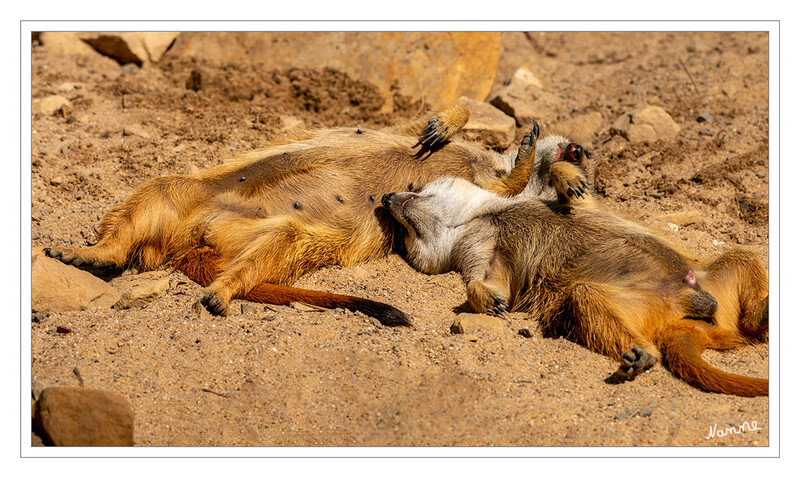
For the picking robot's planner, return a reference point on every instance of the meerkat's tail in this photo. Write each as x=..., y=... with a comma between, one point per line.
x=284, y=295
x=200, y=265
x=683, y=344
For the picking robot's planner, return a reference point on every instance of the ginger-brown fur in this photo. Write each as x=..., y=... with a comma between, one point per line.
x=591, y=276
x=310, y=201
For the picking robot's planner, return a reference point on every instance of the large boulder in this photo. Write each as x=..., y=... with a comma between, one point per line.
x=647, y=125
x=124, y=47
x=487, y=125
x=69, y=416
x=58, y=287
x=525, y=97
x=437, y=66
x=65, y=43
x=139, y=290
x=53, y=105
x=580, y=128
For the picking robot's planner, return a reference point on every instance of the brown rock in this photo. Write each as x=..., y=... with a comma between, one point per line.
x=291, y=124
x=58, y=287
x=140, y=289
x=36, y=388
x=685, y=218
x=437, y=66
x=648, y=125
x=55, y=104
x=487, y=124
x=130, y=47
x=65, y=43
x=524, y=101
x=67, y=87
x=306, y=307
x=580, y=128
x=525, y=333
x=68, y=416
x=525, y=78
x=730, y=87
x=201, y=312
x=474, y=323
x=135, y=130
x=248, y=309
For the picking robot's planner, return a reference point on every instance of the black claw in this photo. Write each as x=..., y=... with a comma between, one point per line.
x=47, y=251
x=628, y=358
x=535, y=129
x=500, y=306
x=570, y=192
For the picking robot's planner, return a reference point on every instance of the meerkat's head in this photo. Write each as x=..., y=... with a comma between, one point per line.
x=549, y=150
x=433, y=218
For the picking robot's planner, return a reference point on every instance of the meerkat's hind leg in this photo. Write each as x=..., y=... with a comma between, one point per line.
x=85, y=258
x=635, y=361
x=82, y=257
x=442, y=124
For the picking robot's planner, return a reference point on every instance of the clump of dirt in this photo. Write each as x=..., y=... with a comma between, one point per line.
x=290, y=377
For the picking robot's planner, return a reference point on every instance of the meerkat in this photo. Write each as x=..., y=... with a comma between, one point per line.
x=250, y=228
x=589, y=275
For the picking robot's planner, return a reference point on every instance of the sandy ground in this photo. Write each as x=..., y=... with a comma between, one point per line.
x=286, y=377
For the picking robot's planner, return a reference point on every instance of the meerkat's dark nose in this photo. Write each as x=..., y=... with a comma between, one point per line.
x=386, y=200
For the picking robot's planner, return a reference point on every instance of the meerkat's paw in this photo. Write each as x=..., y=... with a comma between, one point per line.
x=443, y=124
x=78, y=258
x=568, y=180
x=215, y=303
x=571, y=185
x=484, y=300
x=500, y=308
x=526, y=148
x=634, y=362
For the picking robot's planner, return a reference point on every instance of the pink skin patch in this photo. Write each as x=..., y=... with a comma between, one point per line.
x=403, y=207
x=560, y=152
x=690, y=279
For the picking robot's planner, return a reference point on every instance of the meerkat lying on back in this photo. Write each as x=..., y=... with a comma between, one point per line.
x=589, y=275
x=250, y=228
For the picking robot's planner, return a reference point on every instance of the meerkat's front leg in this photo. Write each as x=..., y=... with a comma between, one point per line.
x=517, y=180
x=490, y=295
